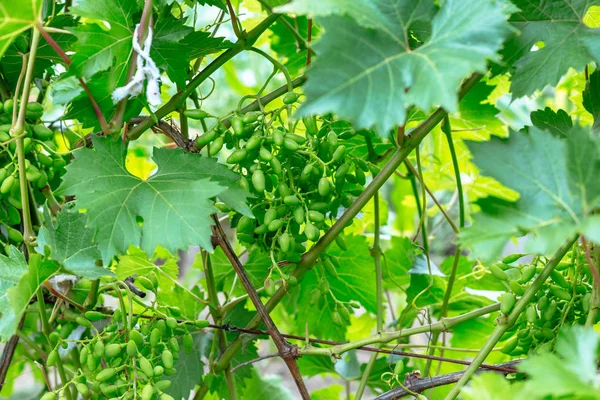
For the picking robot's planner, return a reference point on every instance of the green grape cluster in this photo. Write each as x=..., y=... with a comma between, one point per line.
x=564, y=299
x=119, y=362
x=42, y=167
x=300, y=174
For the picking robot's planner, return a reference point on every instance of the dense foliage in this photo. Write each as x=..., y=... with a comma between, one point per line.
x=281, y=199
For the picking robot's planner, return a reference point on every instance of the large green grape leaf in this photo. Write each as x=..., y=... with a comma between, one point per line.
x=567, y=42
x=557, y=184
x=18, y=284
x=16, y=17
x=369, y=75
x=171, y=208
x=71, y=244
x=556, y=122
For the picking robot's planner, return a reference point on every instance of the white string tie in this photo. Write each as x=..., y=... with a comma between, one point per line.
x=146, y=70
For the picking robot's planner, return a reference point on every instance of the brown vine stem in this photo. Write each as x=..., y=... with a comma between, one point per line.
x=414, y=384
x=117, y=120
x=234, y=21
x=310, y=257
x=7, y=354
x=286, y=351
x=56, y=47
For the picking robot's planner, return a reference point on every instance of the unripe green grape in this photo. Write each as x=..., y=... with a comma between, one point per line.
x=95, y=315
x=112, y=350
x=507, y=303
x=245, y=225
x=258, y=180
x=83, y=322
x=188, y=343
x=290, y=98
x=299, y=215
x=201, y=323
x=174, y=345
x=253, y=143
x=106, y=374
x=498, y=272
x=146, y=367
x=237, y=156
x=310, y=123
x=341, y=242
x=82, y=388
x=158, y=371
x=330, y=268
x=83, y=355
x=137, y=337
x=215, y=146
x=332, y=139
x=339, y=153
x=163, y=385
x=270, y=215
x=52, y=358
x=108, y=389
x=49, y=396
x=147, y=392
x=265, y=155
x=316, y=216
x=165, y=396
x=314, y=296
x=270, y=288
x=290, y=144
x=337, y=319
x=195, y=114
x=99, y=349
x=284, y=242
x=14, y=235
x=145, y=283
x=42, y=132
x=312, y=232
x=171, y=322
x=237, y=123
x=324, y=187
x=7, y=184
x=261, y=229
x=278, y=137
x=276, y=166
x=516, y=288
x=275, y=225
x=344, y=313
x=131, y=348
x=361, y=179
x=206, y=138
x=374, y=169
x=54, y=338
x=167, y=359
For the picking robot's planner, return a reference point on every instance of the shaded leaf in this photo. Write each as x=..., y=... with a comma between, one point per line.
x=373, y=90
x=556, y=181
x=16, y=17
x=71, y=244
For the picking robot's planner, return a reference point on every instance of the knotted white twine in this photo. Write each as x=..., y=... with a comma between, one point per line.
x=146, y=70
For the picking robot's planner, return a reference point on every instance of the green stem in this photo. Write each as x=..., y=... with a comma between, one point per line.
x=17, y=130
x=278, y=65
x=46, y=330
x=310, y=257
x=386, y=337
x=447, y=129
x=421, y=211
x=177, y=100
x=37, y=349
x=92, y=297
x=376, y=253
x=503, y=326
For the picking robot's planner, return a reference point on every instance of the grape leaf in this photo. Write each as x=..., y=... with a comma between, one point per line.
x=71, y=244
x=173, y=205
x=591, y=98
x=556, y=122
x=557, y=186
x=570, y=371
x=12, y=267
x=491, y=386
x=99, y=48
x=568, y=42
x=260, y=387
x=373, y=89
x=175, y=45
x=18, y=284
x=170, y=291
x=16, y=17
x=189, y=367
x=285, y=44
